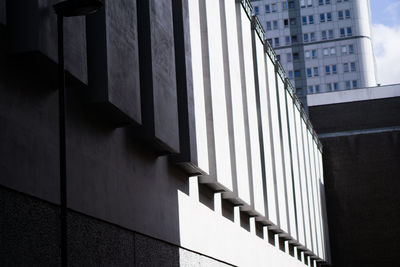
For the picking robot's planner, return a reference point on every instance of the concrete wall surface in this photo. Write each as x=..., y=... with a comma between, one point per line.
x=360, y=133
x=31, y=238
x=154, y=176
x=361, y=179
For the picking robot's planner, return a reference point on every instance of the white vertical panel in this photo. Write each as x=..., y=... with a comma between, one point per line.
x=314, y=200
x=217, y=121
x=268, y=145
x=321, y=182
x=262, y=90
x=292, y=110
x=300, y=133
x=283, y=95
x=198, y=86
x=279, y=167
x=251, y=97
x=318, y=200
x=242, y=171
x=310, y=221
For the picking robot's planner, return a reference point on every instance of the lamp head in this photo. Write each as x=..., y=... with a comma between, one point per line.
x=71, y=8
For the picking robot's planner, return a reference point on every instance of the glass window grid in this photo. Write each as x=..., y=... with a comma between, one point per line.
x=316, y=71
x=312, y=36
x=322, y=17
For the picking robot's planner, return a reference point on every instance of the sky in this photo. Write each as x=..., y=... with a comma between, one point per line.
x=386, y=39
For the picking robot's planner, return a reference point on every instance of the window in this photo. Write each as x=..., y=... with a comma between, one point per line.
x=256, y=10
x=316, y=71
x=322, y=17
x=317, y=88
x=351, y=49
x=340, y=14
x=273, y=7
x=348, y=85
x=328, y=70
x=327, y=2
x=321, y=2
x=284, y=5
x=333, y=51
x=278, y=57
x=297, y=73
x=353, y=66
x=347, y=13
x=286, y=23
x=311, y=19
x=290, y=74
x=287, y=40
x=334, y=69
x=329, y=16
x=346, y=67
x=293, y=21
x=304, y=20
x=294, y=38
x=289, y=57
x=276, y=41
x=326, y=52
x=312, y=36
x=268, y=28
x=329, y=87
x=299, y=91
x=296, y=56
x=291, y=4
x=323, y=35
x=355, y=84
x=305, y=37
x=349, y=31
x=331, y=36
x=310, y=89
x=309, y=72
x=269, y=41
x=314, y=53
x=275, y=24
x=267, y=9
x=302, y=3
x=342, y=32
x=344, y=50
x=307, y=54
x=309, y=2
x=335, y=86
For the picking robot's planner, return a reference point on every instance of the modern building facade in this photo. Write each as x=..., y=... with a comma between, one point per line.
x=185, y=143
x=324, y=45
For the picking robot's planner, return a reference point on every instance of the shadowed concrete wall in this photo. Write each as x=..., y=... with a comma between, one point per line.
x=361, y=180
x=361, y=142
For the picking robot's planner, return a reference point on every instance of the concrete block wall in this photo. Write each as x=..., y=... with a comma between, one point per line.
x=32, y=238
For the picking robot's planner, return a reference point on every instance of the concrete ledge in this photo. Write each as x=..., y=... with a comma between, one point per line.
x=362, y=94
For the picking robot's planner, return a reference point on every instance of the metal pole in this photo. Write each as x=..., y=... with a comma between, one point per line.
x=61, y=119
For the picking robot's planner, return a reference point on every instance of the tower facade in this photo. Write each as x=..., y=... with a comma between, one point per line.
x=324, y=45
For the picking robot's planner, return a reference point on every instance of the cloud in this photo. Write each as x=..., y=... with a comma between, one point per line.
x=386, y=42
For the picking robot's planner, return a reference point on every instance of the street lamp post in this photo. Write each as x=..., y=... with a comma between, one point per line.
x=68, y=8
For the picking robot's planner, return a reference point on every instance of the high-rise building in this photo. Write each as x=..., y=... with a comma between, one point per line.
x=324, y=45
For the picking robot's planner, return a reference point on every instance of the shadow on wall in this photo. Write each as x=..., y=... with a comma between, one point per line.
x=361, y=180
